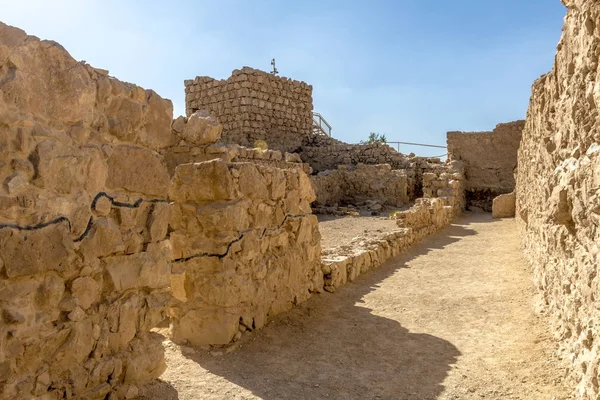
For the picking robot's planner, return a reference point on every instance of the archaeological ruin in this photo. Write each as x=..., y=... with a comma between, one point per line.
x=125, y=231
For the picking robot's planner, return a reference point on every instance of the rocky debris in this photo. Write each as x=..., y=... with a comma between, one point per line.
x=504, y=206
x=245, y=245
x=347, y=210
x=490, y=159
x=369, y=207
x=355, y=185
x=253, y=105
x=558, y=192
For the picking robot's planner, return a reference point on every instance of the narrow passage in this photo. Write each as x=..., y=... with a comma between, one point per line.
x=450, y=319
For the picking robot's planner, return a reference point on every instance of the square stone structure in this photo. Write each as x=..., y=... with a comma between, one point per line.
x=490, y=160
x=254, y=105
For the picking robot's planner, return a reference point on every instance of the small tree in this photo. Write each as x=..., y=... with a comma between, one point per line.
x=374, y=138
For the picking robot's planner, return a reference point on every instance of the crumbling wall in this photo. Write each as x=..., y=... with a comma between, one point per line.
x=446, y=181
x=195, y=141
x=84, y=259
x=254, y=105
x=246, y=247
x=425, y=217
x=490, y=160
x=558, y=192
x=328, y=157
x=354, y=185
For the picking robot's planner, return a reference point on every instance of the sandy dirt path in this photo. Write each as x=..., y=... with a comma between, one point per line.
x=450, y=319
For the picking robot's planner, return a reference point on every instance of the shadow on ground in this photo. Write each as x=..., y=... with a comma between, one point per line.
x=332, y=347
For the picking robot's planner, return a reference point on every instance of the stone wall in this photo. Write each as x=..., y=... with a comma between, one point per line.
x=328, y=156
x=195, y=141
x=446, y=181
x=254, y=105
x=490, y=160
x=425, y=217
x=558, y=192
x=84, y=259
x=354, y=185
x=246, y=247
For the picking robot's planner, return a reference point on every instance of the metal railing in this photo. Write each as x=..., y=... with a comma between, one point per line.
x=320, y=125
x=414, y=144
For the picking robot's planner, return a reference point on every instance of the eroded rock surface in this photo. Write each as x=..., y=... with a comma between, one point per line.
x=354, y=185
x=558, y=192
x=246, y=247
x=84, y=259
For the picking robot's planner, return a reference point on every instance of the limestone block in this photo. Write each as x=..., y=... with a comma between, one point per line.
x=200, y=182
x=205, y=326
x=137, y=170
x=201, y=128
x=158, y=113
x=37, y=251
x=86, y=291
x=136, y=271
x=504, y=206
x=67, y=169
x=103, y=239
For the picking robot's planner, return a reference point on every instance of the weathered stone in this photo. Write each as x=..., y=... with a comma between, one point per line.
x=32, y=252
x=103, y=239
x=277, y=117
x=137, y=170
x=158, y=222
x=504, y=206
x=103, y=206
x=201, y=182
x=356, y=185
x=201, y=128
x=67, y=169
x=226, y=249
x=141, y=270
x=63, y=122
x=557, y=193
x=86, y=291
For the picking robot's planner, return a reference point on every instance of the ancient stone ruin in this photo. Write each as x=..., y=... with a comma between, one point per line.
x=255, y=106
x=118, y=220
x=558, y=192
x=490, y=161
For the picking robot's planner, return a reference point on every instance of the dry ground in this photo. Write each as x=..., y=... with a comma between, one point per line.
x=340, y=231
x=450, y=319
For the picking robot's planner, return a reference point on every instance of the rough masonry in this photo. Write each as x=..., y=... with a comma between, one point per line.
x=246, y=247
x=490, y=161
x=84, y=265
x=558, y=192
x=254, y=106
x=354, y=185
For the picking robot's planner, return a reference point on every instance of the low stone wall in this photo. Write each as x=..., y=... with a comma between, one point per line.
x=84, y=259
x=354, y=185
x=558, y=194
x=254, y=105
x=246, y=247
x=328, y=157
x=490, y=160
x=424, y=218
x=195, y=141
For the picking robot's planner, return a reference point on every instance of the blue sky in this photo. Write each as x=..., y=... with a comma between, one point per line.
x=409, y=69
